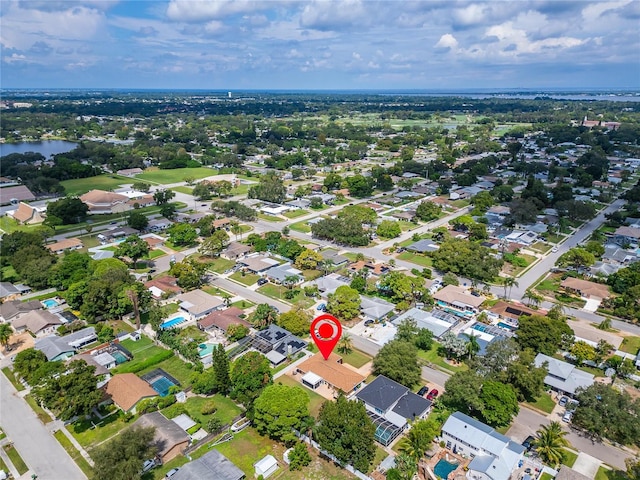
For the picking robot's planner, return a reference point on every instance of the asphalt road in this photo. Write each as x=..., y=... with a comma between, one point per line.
x=250, y=295
x=528, y=421
x=39, y=449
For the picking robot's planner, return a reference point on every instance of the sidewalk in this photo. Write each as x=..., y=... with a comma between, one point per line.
x=7, y=462
x=58, y=425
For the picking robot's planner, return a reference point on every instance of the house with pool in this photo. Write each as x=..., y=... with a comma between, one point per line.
x=458, y=300
x=494, y=456
x=197, y=304
x=60, y=348
x=126, y=390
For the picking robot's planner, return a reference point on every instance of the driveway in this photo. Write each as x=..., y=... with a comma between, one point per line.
x=39, y=449
x=591, y=304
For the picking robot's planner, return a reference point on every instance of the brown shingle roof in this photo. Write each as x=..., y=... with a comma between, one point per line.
x=452, y=294
x=337, y=374
x=127, y=389
x=628, y=232
x=223, y=319
x=19, y=192
x=27, y=214
x=103, y=197
x=167, y=435
x=166, y=284
x=37, y=320
x=513, y=310
x=65, y=244
x=586, y=288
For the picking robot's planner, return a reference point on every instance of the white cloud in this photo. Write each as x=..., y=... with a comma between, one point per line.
x=204, y=10
x=15, y=57
x=447, y=41
x=593, y=11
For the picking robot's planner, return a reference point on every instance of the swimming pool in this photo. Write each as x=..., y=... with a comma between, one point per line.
x=480, y=327
x=162, y=386
x=173, y=322
x=119, y=356
x=205, y=349
x=50, y=303
x=444, y=468
x=506, y=326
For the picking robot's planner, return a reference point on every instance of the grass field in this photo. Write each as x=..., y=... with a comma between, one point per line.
x=89, y=435
x=302, y=227
x=3, y=466
x=16, y=459
x=245, y=279
x=175, y=367
x=183, y=189
x=415, y=258
x=269, y=218
x=78, y=186
x=544, y=403
x=43, y=416
x=226, y=409
x=176, y=175
x=569, y=457
x=12, y=378
x=315, y=400
x=295, y=213
x=243, y=304
x=432, y=357
x=74, y=453
x=277, y=292
x=608, y=474
x=356, y=358
x=630, y=345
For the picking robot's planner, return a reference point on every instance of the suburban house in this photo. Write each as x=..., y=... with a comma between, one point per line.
x=317, y=371
x=60, y=348
x=158, y=225
x=391, y=407
x=65, y=245
x=332, y=256
x=235, y=250
x=14, y=195
x=376, y=269
x=9, y=292
x=510, y=312
x=563, y=377
x=458, y=300
x=495, y=456
x=277, y=343
x=329, y=283
x=223, y=319
x=198, y=303
x=585, y=288
x=169, y=439
x=280, y=274
x=258, y=263
x=436, y=321
x=373, y=308
x=423, y=246
x=163, y=286
x=38, y=322
x=101, y=202
x=108, y=236
x=126, y=390
x=25, y=214
x=11, y=310
x=626, y=236
x=212, y=465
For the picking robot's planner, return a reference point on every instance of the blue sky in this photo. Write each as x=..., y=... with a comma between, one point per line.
x=345, y=44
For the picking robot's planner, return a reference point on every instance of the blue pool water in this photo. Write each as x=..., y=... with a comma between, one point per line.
x=50, y=303
x=506, y=325
x=205, y=349
x=444, y=468
x=172, y=323
x=162, y=386
x=119, y=356
x=479, y=327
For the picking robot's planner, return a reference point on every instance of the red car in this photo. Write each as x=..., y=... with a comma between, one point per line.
x=432, y=394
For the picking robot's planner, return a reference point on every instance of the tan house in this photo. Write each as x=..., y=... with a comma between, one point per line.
x=169, y=438
x=223, y=319
x=27, y=215
x=331, y=372
x=512, y=311
x=101, y=201
x=127, y=390
x=64, y=245
x=38, y=322
x=458, y=300
x=585, y=288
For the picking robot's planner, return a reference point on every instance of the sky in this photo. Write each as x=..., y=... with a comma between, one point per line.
x=320, y=45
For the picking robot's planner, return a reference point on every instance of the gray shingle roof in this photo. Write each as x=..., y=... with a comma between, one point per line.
x=212, y=466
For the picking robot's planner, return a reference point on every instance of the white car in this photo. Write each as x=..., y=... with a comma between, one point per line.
x=554, y=249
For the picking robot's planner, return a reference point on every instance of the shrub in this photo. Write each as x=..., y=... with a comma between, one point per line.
x=167, y=401
x=194, y=429
x=208, y=408
x=214, y=425
x=175, y=410
x=133, y=367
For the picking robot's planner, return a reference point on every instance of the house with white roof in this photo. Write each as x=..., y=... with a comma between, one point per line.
x=563, y=377
x=436, y=321
x=495, y=456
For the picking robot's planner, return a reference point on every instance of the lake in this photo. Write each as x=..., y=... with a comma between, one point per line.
x=45, y=147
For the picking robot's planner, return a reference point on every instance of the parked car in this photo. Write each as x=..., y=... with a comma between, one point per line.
x=528, y=442
x=368, y=323
x=432, y=394
x=171, y=472
x=148, y=465
x=567, y=417
x=563, y=401
x=262, y=281
x=322, y=307
x=423, y=391
x=474, y=293
x=554, y=249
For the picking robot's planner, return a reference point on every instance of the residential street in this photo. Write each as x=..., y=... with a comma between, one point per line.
x=38, y=448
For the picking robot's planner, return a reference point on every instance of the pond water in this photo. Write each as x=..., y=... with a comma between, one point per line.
x=47, y=148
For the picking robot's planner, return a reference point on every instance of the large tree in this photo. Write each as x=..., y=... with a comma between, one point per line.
x=398, y=360
x=344, y=303
x=122, y=457
x=308, y=259
x=345, y=430
x=69, y=210
x=542, y=334
x=250, y=374
x=468, y=259
x=215, y=243
x=279, y=410
x=263, y=316
x=270, y=188
x=296, y=320
x=182, y=234
x=132, y=247
x=220, y=367
x=428, y=211
x=550, y=443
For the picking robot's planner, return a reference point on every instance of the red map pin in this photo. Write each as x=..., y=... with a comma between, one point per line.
x=326, y=332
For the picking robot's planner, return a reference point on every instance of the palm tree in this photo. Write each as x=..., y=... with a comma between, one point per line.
x=473, y=346
x=509, y=282
x=605, y=324
x=236, y=229
x=327, y=266
x=550, y=442
x=345, y=346
x=5, y=334
x=226, y=298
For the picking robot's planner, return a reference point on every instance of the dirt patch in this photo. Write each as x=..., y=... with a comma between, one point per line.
x=18, y=343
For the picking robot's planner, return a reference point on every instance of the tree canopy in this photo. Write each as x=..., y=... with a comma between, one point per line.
x=344, y=303
x=468, y=259
x=122, y=457
x=250, y=374
x=398, y=360
x=278, y=410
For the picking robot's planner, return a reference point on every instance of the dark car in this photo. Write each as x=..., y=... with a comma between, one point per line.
x=423, y=390
x=432, y=394
x=528, y=442
x=563, y=401
x=262, y=281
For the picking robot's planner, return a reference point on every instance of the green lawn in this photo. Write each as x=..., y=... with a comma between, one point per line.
x=311, y=274
x=175, y=367
x=226, y=409
x=315, y=400
x=270, y=218
x=541, y=247
x=246, y=448
x=546, y=476
x=609, y=474
x=302, y=227
x=296, y=213
x=43, y=416
x=78, y=186
x=243, y=304
x=12, y=378
x=415, y=258
x=155, y=254
x=219, y=264
x=277, y=292
x=245, y=278
x=175, y=175
x=16, y=459
x=569, y=457
x=432, y=357
x=3, y=466
x=356, y=358
x=630, y=345
x=378, y=458
x=544, y=403
x=183, y=189
x=74, y=453
x=89, y=433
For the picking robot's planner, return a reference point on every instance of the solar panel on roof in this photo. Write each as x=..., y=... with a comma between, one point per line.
x=514, y=311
